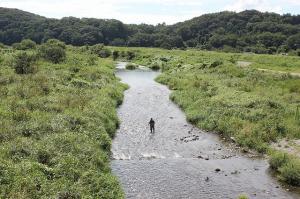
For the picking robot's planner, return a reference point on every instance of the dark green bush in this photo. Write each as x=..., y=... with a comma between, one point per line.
x=24, y=63
x=290, y=172
x=53, y=51
x=115, y=54
x=104, y=53
x=131, y=66
x=154, y=66
x=130, y=55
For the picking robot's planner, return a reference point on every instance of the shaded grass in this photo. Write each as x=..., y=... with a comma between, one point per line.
x=56, y=129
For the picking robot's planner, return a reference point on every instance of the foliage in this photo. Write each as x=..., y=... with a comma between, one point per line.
x=53, y=50
x=247, y=31
x=243, y=196
x=56, y=128
x=23, y=63
x=25, y=45
x=287, y=166
x=115, y=54
x=131, y=66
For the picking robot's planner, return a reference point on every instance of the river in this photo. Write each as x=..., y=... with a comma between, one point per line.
x=179, y=160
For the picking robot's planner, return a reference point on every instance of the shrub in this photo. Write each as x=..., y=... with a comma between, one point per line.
x=115, y=54
x=290, y=172
x=95, y=49
x=130, y=55
x=24, y=63
x=131, y=66
x=278, y=159
x=53, y=51
x=27, y=44
x=216, y=63
x=104, y=53
x=155, y=66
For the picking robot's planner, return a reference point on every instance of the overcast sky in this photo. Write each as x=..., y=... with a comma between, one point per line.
x=147, y=11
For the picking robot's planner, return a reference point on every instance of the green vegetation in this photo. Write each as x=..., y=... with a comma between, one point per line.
x=287, y=166
x=131, y=66
x=247, y=31
x=251, y=107
x=243, y=196
x=57, y=121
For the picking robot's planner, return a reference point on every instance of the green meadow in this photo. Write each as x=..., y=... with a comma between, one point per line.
x=58, y=116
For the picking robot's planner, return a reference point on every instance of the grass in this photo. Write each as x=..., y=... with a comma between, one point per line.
x=255, y=108
x=286, y=166
x=131, y=66
x=56, y=128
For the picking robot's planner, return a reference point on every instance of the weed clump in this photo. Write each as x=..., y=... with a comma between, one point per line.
x=24, y=63
x=131, y=66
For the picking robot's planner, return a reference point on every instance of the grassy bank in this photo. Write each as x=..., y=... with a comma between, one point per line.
x=57, y=122
x=251, y=107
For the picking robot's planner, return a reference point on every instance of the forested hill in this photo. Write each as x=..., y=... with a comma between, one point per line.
x=250, y=30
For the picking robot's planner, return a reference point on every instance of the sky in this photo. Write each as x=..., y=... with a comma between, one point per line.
x=147, y=11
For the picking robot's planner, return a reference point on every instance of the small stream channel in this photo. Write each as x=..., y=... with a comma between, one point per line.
x=179, y=160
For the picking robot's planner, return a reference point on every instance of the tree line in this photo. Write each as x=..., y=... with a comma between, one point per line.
x=247, y=31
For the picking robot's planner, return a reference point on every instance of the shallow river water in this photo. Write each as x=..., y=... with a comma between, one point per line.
x=179, y=160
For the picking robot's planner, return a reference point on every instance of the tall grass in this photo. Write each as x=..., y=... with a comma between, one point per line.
x=56, y=129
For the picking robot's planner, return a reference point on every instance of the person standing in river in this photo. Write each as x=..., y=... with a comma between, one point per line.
x=152, y=125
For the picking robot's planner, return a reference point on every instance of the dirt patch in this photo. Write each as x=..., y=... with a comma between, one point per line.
x=289, y=146
x=243, y=64
x=279, y=72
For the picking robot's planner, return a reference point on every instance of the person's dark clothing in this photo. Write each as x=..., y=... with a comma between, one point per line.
x=152, y=125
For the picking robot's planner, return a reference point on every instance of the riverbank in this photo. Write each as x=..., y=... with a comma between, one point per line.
x=56, y=127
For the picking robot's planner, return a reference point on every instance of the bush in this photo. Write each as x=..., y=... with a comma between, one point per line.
x=115, y=54
x=278, y=159
x=155, y=66
x=104, y=53
x=130, y=55
x=24, y=63
x=53, y=51
x=290, y=172
x=27, y=44
x=131, y=66
x=95, y=49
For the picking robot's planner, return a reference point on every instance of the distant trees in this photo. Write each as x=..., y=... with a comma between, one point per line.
x=249, y=30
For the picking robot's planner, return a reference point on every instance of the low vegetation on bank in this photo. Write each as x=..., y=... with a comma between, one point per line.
x=58, y=115
x=131, y=66
x=251, y=107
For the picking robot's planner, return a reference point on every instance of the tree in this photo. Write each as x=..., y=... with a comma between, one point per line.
x=293, y=42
